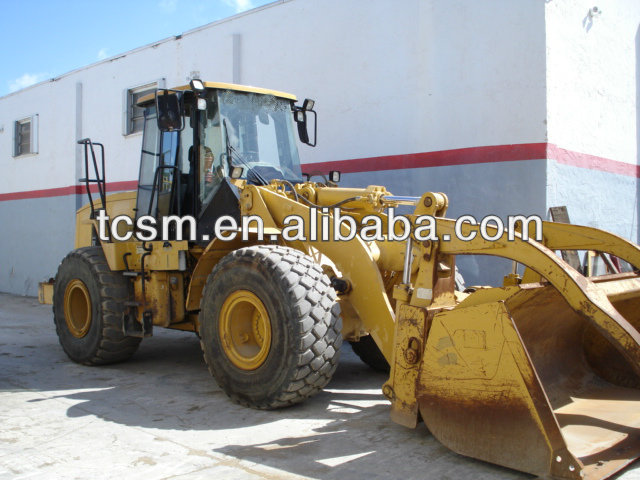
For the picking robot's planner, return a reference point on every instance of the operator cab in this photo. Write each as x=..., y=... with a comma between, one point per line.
x=200, y=139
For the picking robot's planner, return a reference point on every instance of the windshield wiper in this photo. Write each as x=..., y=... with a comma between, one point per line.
x=232, y=151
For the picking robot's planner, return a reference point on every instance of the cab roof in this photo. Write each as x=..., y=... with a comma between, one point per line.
x=225, y=86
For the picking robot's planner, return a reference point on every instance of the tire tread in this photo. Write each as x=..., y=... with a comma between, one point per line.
x=318, y=321
x=114, y=346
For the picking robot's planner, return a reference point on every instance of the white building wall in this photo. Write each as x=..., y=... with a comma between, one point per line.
x=592, y=66
x=593, y=99
x=54, y=104
x=485, y=73
x=431, y=75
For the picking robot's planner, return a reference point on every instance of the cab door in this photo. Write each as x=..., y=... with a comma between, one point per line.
x=159, y=181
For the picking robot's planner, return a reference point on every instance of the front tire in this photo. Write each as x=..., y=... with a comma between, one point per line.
x=269, y=326
x=88, y=303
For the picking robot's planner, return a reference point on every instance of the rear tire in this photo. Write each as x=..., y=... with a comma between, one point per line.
x=88, y=303
x=368, y=351
x=269, y=326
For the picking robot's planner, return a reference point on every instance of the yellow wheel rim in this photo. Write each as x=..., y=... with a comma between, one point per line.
x=245, y=330
x=77, y=308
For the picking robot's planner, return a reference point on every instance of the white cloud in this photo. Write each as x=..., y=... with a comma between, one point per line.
x=102, y=54
x=26, y=80
x=240, y=5
x=168, y=6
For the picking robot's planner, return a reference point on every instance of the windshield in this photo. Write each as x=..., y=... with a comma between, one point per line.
x=259, y=135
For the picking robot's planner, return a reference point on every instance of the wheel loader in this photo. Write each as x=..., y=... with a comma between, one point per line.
x=539, y=375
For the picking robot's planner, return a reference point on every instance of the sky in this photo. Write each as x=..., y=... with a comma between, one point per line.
x=45, y=39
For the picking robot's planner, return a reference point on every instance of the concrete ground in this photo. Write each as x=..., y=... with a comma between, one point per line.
x=161, y=416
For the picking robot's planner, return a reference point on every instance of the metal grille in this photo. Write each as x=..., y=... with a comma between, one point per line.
x=23, y=137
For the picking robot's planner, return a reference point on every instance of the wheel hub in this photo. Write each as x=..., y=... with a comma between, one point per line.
x=245, y=329
x=77, y=308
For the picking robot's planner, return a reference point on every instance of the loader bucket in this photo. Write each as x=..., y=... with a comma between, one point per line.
x=517, y=377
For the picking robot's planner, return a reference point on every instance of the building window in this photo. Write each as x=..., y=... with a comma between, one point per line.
x=25, y=139
x=134, y=118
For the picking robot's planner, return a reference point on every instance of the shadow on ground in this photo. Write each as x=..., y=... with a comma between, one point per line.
x=343, y=432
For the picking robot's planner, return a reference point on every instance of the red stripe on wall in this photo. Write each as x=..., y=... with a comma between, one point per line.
x=441, y=158
x=70, y=190
x=467, y=156
x=584, y=160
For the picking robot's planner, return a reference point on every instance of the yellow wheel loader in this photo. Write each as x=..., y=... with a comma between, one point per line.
x=541, y=375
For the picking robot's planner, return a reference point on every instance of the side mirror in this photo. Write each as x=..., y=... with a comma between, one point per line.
x=169, y=108
x=300, y=116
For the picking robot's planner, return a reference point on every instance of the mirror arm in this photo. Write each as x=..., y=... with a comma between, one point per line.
x=303, y=133
x=315, y=129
